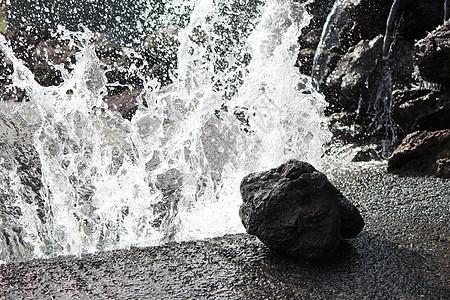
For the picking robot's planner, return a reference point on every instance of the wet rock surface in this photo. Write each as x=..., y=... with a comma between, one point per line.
x=403, y=252
x=433, y=55
x=419, y=17
x=419, y=109
x=295, y=210
x=310, y=39
x=349, y=78
x=423, y=151
x=425, y=113
x=366, y=67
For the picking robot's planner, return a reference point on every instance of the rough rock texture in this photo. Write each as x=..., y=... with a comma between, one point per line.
x=347, y=26
x=424, y=151
x=427, y=110
x=354, y=25
x=32, y=45
x=124, y=101
x=374, y=99
x=344, y=128
x=356, y=81
x=349, y=78
x=433, y=55
x=295, y=210
x=420, y=109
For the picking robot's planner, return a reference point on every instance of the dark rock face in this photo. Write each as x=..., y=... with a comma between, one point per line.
x=348, y=79
x=29, y=43
x=344, y=128
x=421, y=109
x=124, y=102
x=354, y=78
x=425, y=151
x=310, y=39
x=295, y=210
x=426, y=110
x=420, y=17
x=433, y=55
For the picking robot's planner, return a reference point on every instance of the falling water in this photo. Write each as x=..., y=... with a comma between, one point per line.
x=446, y=10
x=173, y=171
x=389, y=36
x=330, y=40
x=378, y=97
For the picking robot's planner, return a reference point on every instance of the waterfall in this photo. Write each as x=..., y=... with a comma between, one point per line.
x=389, y=36
x=236, y=104
x=375, y=98
x=446, y=11
x=329, y=39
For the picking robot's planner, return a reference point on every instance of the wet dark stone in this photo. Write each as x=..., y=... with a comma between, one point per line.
x=423, y=151
x=310, y=39
x=295, y=210
x=419, y=17
x=349, y=78
x=421, y=109
x=342, y=126
x=124, y=102
x=366, y=155
x=353, y=76
x=29, y=44
x=433, y=55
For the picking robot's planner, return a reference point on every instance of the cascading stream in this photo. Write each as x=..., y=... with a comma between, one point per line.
x=236, y=105
x=389, y=36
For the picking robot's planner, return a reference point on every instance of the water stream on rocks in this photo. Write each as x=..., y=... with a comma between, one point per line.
x=379, y=103
x=236, y=104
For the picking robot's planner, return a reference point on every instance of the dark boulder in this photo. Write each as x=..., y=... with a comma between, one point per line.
x=433, y=55
x=423, y=151
x=420, y=109
x=295, y=210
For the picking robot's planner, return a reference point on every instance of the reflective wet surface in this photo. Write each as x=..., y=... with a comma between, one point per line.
x=402, y=253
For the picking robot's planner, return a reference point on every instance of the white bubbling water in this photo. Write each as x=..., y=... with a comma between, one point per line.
x=173, y=171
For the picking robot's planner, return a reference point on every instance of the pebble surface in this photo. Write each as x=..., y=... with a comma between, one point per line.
x=403, y=252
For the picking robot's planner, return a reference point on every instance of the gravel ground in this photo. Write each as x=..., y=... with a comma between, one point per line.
x=403, y=252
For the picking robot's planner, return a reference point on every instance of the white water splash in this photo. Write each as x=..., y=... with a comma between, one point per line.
x=173, y=172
